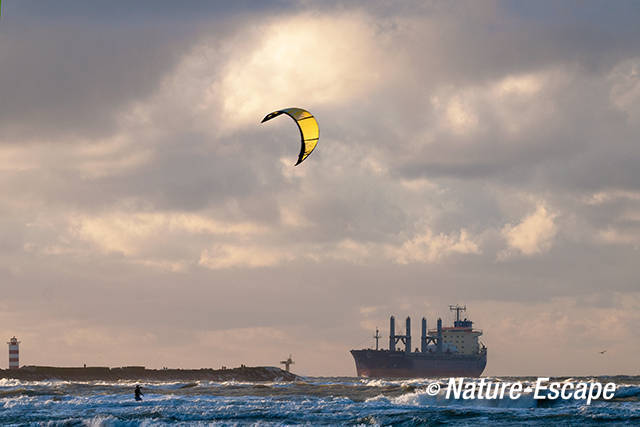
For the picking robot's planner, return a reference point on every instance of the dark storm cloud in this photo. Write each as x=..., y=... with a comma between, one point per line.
x=70, y=68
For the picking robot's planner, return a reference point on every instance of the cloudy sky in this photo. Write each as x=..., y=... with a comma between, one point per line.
x=480, y=153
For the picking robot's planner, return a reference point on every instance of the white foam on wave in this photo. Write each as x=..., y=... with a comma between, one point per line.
x=10, y=382
x=17, y=401
x=422, y=398
x=100, y=421
x=107, y=421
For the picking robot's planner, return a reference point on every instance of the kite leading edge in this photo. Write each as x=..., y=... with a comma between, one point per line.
x=309, y=132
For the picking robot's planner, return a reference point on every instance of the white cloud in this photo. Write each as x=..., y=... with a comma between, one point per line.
x=525, y=85
x=424, y=248
x=461, y=117
x=533, y=235
x=429, y=247
x=129, y=232
x=456, y=111
x=513, y=103
x=151, y=238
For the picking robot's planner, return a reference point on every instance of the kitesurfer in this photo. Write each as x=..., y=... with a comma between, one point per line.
x=138, y=393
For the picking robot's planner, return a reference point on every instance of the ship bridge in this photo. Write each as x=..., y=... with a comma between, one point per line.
x=461, y=336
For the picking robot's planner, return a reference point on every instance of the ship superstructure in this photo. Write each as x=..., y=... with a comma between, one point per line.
x=443, y=352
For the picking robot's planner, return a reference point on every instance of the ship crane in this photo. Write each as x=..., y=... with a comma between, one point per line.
x=287, y=363
x=394, y=339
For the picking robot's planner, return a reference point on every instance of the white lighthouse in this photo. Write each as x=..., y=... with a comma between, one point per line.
x=14, y=359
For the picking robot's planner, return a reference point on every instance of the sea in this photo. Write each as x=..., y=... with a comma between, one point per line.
x=310, y=401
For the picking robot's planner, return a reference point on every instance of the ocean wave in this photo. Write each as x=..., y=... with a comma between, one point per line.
x=627, y=391
x=312, y=401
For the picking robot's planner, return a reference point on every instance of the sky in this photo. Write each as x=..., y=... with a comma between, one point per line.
x=478, y=153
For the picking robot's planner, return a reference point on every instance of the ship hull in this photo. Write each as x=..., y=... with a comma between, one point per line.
x=398, y=364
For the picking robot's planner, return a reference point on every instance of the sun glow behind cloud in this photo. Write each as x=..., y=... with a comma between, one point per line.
x=297, y=60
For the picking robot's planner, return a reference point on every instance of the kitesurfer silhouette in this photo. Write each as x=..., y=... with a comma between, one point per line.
x=138, y=393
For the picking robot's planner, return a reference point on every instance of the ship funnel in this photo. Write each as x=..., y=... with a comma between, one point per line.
x=407, y=343
x=423, y=336
x=439, y=335
x=392, y=334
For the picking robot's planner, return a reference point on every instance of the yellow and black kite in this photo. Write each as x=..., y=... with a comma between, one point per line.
x=309, y=132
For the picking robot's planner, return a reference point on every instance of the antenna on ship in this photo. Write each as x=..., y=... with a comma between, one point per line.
x=287, y=363
x=377, y=337
x=457, y=308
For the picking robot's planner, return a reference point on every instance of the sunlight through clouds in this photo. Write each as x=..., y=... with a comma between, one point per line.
x=296, y=60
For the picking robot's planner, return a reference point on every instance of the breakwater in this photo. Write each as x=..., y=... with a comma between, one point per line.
x=97, y=373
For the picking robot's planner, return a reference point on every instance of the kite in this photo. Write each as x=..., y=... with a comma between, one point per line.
x=309, y=132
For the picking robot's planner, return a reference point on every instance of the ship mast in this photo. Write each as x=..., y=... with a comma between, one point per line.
x=458, y=309
x=377, y=337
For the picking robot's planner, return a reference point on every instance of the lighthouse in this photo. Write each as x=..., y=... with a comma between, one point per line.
x=13, y=353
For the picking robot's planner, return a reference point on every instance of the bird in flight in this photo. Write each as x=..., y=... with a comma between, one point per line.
x=602, y=352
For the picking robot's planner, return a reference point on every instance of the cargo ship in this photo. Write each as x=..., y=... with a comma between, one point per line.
x=454, y=351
